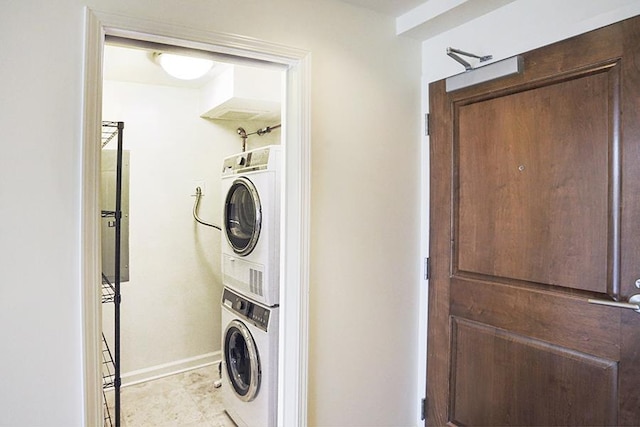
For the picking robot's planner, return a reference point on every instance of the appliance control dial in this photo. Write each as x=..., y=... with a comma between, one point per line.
x=240, y=305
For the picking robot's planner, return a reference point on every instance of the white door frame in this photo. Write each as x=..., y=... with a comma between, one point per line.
x=292, y=377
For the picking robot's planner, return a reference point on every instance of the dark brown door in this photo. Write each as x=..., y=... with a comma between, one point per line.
x=535, y=209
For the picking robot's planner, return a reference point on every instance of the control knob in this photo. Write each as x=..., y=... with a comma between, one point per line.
x=241, y=305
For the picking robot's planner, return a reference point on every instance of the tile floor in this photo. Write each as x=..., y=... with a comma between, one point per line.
x=187, y=399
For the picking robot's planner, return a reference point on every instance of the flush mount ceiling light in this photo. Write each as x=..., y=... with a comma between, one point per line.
x=183, y=67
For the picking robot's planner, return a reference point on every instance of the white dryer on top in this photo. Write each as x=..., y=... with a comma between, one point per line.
x=251, y=224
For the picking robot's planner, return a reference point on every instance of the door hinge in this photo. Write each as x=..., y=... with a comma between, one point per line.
x=427, y=268
x=424, y=409
x=427, y=128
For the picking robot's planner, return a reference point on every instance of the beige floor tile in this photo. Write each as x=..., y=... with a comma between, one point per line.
x=185, y=400
x=222, y=421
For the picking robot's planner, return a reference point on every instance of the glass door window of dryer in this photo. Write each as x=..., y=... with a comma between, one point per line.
x=242, y=216
x=241, y=357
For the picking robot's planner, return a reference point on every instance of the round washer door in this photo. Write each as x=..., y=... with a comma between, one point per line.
x=242, y=216
x=241, y=357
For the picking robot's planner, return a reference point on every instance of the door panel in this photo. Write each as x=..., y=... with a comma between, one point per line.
x=535, y=208
x=554, y=137
x=485, y=358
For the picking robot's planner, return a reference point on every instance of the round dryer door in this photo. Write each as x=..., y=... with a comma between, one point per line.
x=242, y=360
x=242, y=216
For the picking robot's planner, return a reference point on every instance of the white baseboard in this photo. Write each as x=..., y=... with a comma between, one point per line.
x=171, y=368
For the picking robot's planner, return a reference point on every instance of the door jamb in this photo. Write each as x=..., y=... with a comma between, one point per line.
x=294, y=282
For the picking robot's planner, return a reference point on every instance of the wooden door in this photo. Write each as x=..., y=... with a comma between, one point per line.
x=535, y=208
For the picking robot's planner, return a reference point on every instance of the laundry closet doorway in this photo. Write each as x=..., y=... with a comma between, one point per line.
x=207, y=241
x=178, y=131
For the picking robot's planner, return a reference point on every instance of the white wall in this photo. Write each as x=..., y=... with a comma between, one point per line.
x=365, y=201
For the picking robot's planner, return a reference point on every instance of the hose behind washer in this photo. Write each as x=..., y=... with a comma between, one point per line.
x=195, y=210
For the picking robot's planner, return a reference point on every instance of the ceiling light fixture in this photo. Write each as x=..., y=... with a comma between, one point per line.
x=183, y=67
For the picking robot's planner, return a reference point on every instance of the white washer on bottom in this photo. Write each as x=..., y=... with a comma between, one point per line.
x=249, y=361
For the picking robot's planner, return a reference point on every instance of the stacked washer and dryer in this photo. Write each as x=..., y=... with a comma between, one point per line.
x=250, y=274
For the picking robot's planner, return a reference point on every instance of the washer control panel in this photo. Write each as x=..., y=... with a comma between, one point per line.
x=247, y=309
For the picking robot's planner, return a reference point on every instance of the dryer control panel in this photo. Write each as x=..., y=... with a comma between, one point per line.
x=248, y=161
x=249, y=310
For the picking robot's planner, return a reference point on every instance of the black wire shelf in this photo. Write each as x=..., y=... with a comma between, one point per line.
x=108, y=290
x=111, y=290
x=106, y=413
x=109, y=131
x=108, y=367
